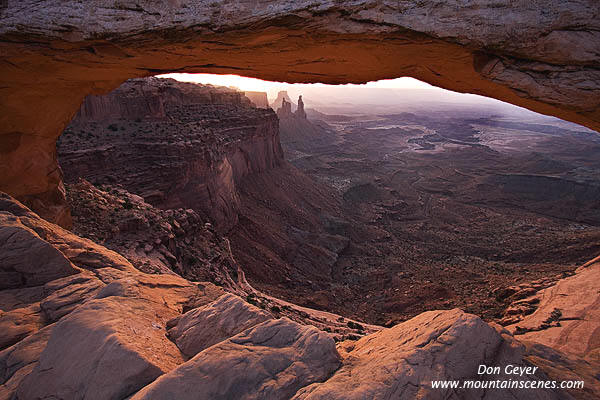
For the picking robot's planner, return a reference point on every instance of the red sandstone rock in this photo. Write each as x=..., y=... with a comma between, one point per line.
x=108, y=348
x=401, y=362
x=112, y=343
x=202, y=327
x=178, y=145
x=269, y=361
x=568, y=315
x=57, y=53
x=259, y=99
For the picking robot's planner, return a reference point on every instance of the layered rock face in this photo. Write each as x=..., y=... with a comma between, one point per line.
x=285, y=111
x=540, y=56
x=154, y=240
x=219, y=162
x=155, y=99
x=178, y=145
x=259, y=99
x=282, y=96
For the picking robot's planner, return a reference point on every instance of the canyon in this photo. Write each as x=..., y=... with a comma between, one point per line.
x=236, y=270
x=161, y=239
x=447, y=205
x=539, y=56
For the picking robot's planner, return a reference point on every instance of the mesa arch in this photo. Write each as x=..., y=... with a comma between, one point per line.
x=542, y=55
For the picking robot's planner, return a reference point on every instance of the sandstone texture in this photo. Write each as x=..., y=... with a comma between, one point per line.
x=89, y=318
x=202, y=327
x=567, y=317
x=270, y=361
x=110, y=331
x=396, y=363
x=178, y=145
x=108, y=348
x=540, y=55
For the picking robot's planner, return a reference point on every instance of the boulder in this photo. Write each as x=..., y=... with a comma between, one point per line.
x=401, y=362
x=27, y=259
x=59, y=251
x=269, y=361
x=202, y=327
x=107, y=348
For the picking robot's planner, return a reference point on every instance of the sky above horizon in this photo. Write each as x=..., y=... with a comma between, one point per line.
x=384, y=95
x=253, y=84
x=389, y=95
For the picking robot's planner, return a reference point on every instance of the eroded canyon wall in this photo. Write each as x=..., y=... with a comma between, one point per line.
x=178, y=145
x=542, y=55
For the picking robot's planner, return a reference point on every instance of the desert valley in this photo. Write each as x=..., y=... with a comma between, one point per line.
x=162, y=237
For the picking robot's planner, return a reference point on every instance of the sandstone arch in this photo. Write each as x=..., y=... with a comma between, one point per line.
x=543, y=55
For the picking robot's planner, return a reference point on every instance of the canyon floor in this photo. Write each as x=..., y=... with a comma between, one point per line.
x=375, y=216
x=447, y=207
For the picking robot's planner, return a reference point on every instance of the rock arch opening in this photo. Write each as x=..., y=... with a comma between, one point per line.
x=342, y=184
x=542, y=55
x=55, y=54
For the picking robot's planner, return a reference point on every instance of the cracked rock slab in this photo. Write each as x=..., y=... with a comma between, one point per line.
x=401, y=362
x=568, y=316
x=205, y=326
x=269, y=361
x=105, y=349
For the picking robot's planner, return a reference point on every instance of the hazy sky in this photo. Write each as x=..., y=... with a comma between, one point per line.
x=253, y=84
x=390, y=95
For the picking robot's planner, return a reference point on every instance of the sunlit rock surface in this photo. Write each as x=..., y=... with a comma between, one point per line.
x=401, y=362
x=259, y=99
x=202, y=327
x=101, y=333
x=567, y=317
x=269, y=361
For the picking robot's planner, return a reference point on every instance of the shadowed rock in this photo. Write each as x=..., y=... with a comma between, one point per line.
x=27, y=259
x=18, y=361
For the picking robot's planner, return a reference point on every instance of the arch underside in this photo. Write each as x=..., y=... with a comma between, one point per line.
x=542, y=57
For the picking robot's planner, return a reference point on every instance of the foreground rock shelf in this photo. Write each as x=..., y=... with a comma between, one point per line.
x=94, y=327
